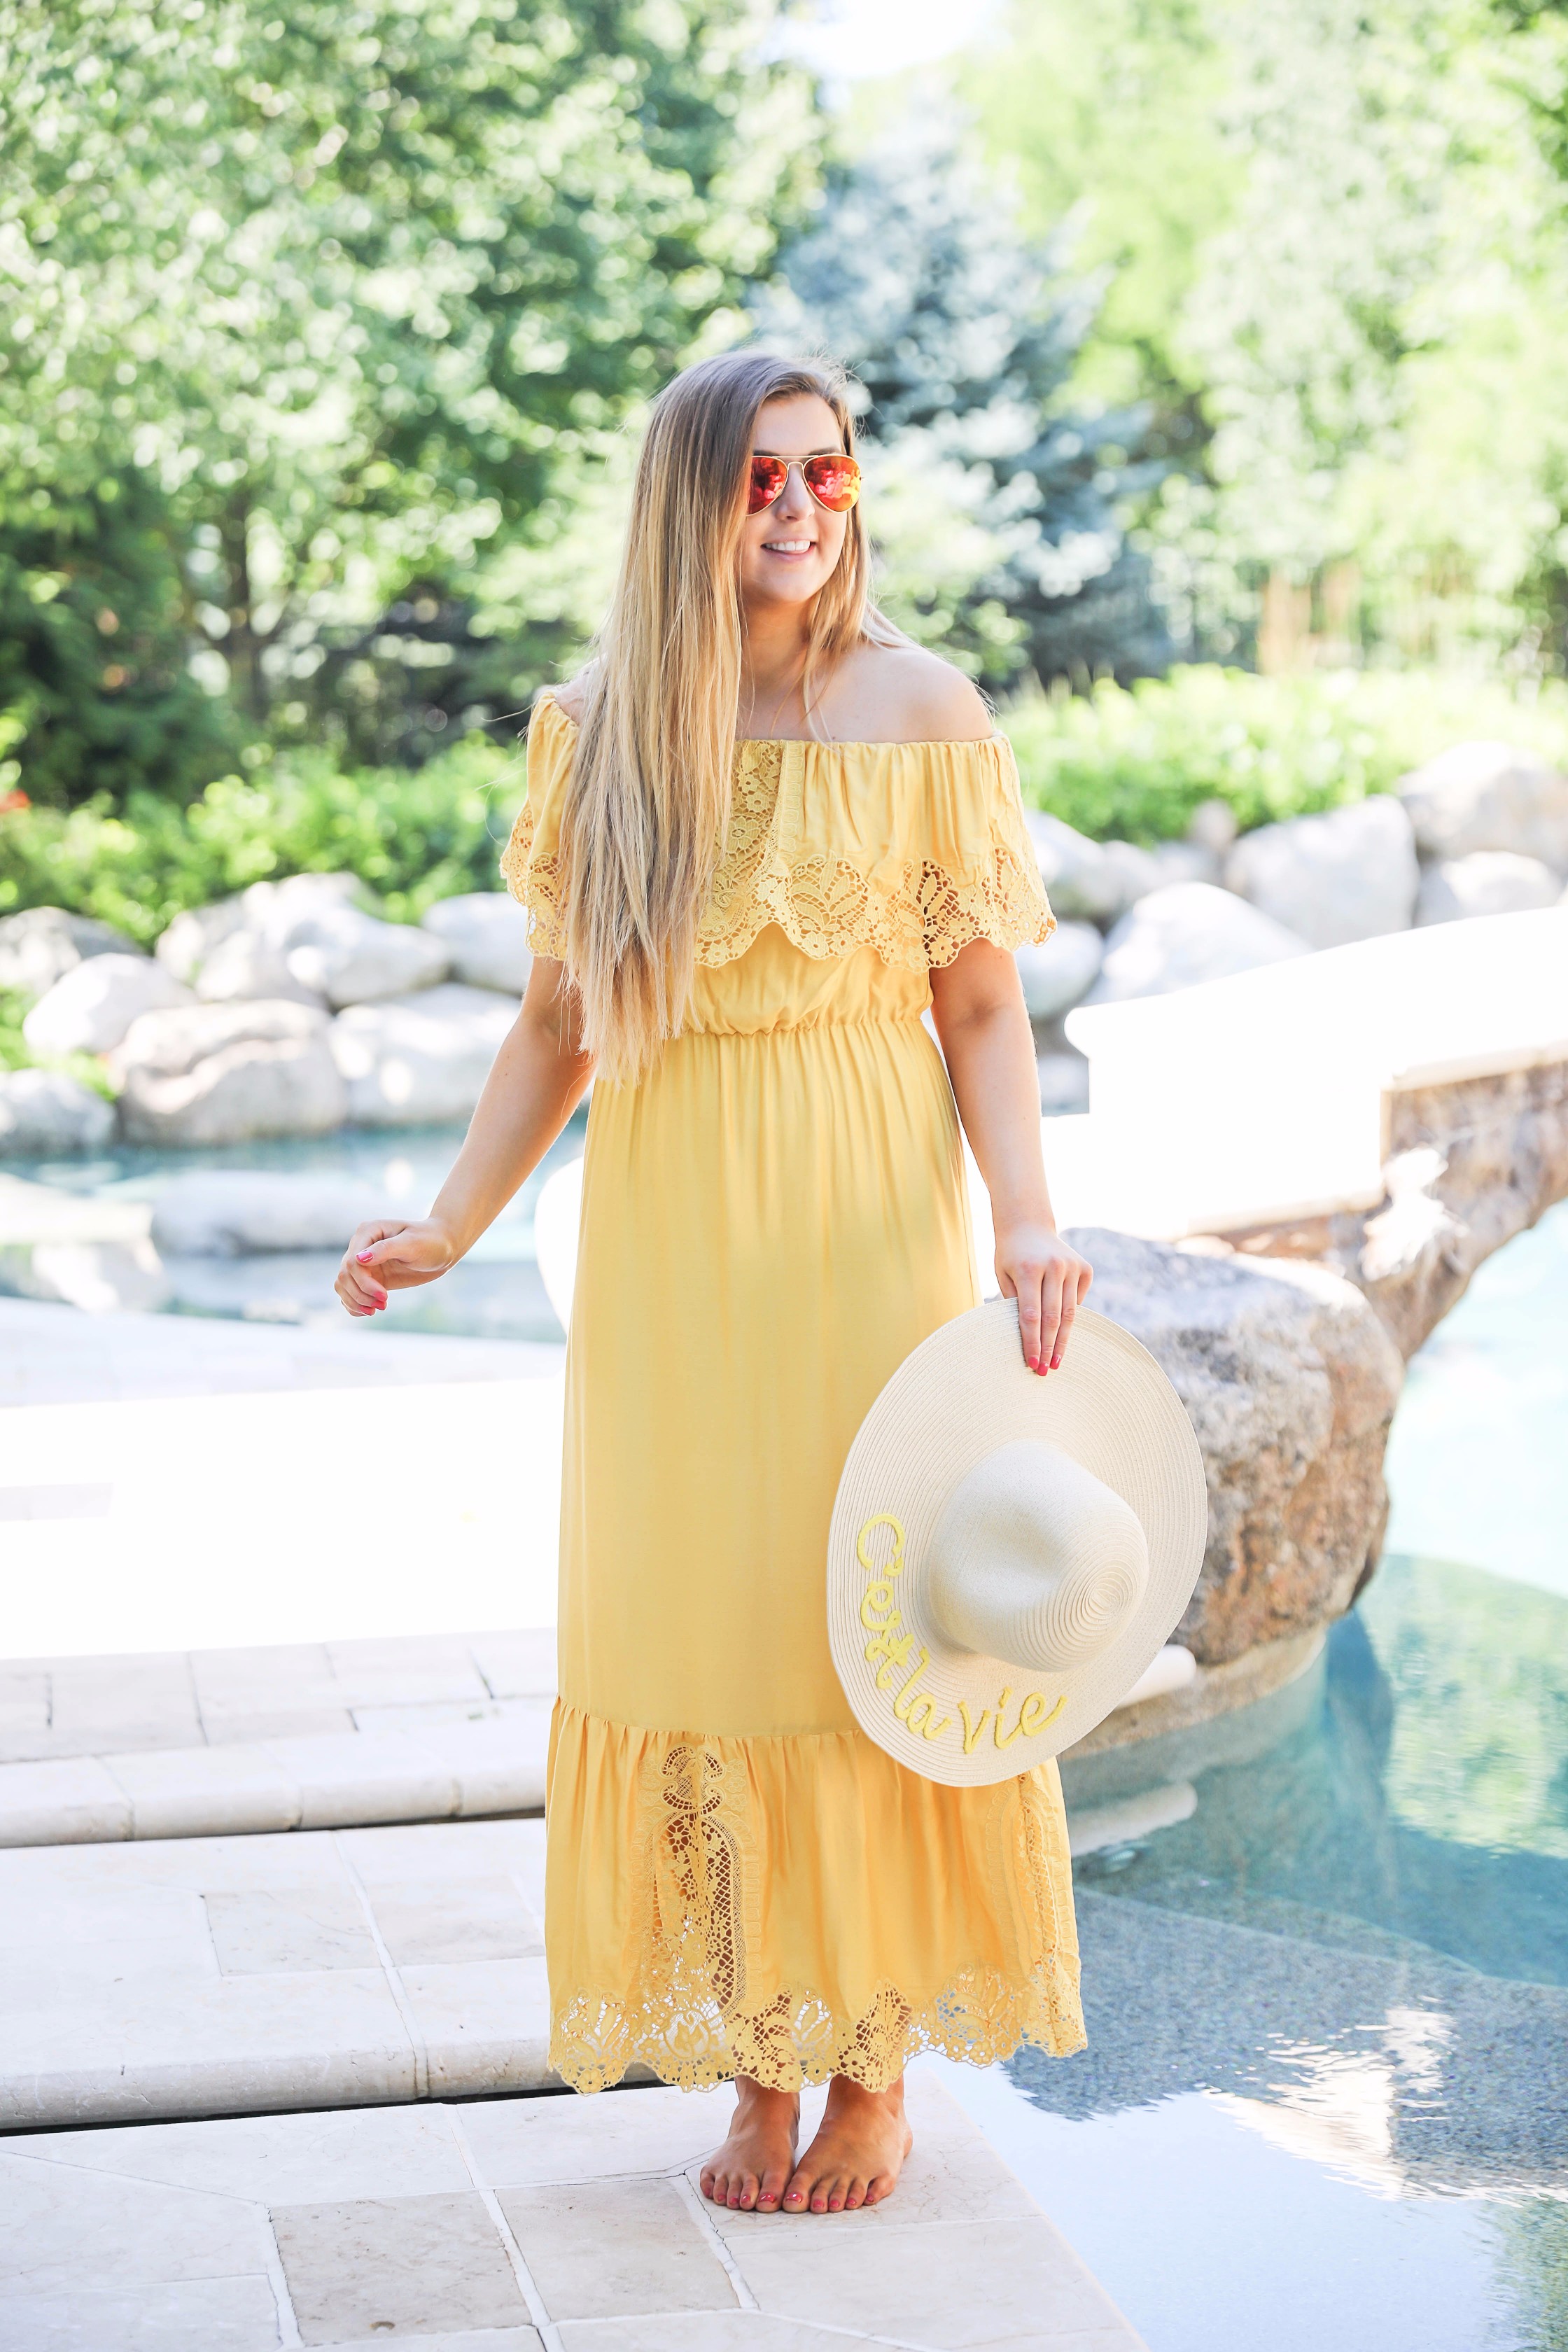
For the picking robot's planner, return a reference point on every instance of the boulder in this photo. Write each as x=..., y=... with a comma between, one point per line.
x=1184, y=934
x=228, y=1073
x=1059, y=975
x=1064, y=1084
x=191, y=936
x=1349, y=873
x=485, y=932
x=1185, y=861
x=1488, y=796
x=352, y=958
x=248, y=964
x=1212, y=826
x=1090, y=881
x=1486, y=882
x=238, y=1212
x=40, y=945
x=420, y=1059
x=91, y=1007
x=281, y=913
x=1290, y=1382
x=44, y=1113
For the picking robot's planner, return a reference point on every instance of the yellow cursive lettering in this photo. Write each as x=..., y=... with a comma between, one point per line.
x=877, y=1596
x=1032, y=1720
x=895, y=1565
x=905, y=1698
x=972, y=1731
x=996, y=1728
x=921, y=1709
x=893, y=1645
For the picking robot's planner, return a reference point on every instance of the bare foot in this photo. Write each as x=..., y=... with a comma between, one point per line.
x=856, y=2156
x=749, y=2172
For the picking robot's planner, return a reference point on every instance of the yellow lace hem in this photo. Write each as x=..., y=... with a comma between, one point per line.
x=915, y=891
x=687, y=1875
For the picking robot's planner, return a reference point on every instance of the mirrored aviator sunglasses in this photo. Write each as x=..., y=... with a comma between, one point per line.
x=833, y=480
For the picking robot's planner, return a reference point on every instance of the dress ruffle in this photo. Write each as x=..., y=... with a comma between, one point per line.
x=796, y=1907
x=912, y=849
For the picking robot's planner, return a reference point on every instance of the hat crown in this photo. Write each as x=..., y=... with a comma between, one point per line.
x=1035, y=1560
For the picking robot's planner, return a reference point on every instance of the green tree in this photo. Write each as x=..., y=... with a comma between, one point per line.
x=339, y=285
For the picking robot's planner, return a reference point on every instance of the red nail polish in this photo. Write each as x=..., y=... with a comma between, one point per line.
x=363, y=1258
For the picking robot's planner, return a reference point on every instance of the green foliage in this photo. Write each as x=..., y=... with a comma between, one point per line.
x=1135, y=763
x=330, y=290
x=1339, y=274
x=412, y=836
x=995, y=501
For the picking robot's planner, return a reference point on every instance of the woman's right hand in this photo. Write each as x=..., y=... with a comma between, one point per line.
x=385, y=1256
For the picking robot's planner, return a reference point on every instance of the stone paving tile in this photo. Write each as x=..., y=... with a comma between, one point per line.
x=445, y=2229
x=607, y=2249
x=396, y=2265
x=205, y=1976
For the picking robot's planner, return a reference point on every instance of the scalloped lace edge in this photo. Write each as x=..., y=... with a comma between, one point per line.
x=696, y=1936
x=915, y=912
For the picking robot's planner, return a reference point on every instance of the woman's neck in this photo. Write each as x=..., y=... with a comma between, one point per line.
x=772, y=662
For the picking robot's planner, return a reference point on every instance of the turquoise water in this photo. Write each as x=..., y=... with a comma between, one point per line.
x=1325, y=2100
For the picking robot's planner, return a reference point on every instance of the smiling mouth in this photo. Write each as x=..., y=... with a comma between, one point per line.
x=788, y=546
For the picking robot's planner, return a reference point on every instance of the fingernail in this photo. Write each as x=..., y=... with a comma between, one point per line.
x=1056, y=1363
x=1034, y=1363
x=363, y=1258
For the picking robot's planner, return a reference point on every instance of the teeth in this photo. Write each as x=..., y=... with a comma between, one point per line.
x=788, y=546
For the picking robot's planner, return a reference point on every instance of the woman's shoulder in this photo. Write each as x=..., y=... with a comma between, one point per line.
x=571, y=699
x=901, y=694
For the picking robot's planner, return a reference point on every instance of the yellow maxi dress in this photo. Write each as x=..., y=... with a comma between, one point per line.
x=738, y=1880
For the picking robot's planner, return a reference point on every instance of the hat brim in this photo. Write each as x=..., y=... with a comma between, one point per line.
x=958, y=1396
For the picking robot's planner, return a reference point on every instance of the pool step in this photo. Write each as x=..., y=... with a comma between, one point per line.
x=449, y=1763
x=208, y=1976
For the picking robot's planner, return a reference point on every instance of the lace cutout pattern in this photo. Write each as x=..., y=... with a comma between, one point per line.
x=915, y=911
x=695, y=1932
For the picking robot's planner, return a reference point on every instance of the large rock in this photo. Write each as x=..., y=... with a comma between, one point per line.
x=281, y=914
x=485, y=933
x=350, y=958
x=1064, y=1084
x=1187, y=933
x=236, y=1213
x=1060, y=973
x=248, y=964
x=89, y=1008
x=1349, y=873
x=1290, y=1382
x=1488, y=796
x=228, y=1073
x=421, y=1059
x=40, y=945
x=1486, y=882
x=45, y=1112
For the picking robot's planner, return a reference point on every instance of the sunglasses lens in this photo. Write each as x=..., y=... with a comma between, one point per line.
x=834, y=482
x=768, y=477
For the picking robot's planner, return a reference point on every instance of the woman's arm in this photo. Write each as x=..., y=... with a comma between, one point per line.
x=535, y=1084
x=977, y=1003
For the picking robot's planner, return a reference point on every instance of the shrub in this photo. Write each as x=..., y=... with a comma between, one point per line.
x=412, y=836
x=1135, y=762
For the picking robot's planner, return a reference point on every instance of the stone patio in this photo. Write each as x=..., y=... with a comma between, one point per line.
x=553, y=2224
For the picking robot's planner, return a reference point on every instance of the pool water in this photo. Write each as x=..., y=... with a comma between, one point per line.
x=1325, y=2100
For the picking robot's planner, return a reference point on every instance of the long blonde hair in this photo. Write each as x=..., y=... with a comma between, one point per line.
x=648, y=803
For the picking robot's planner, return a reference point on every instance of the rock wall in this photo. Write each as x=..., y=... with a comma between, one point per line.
x=1472, y=1161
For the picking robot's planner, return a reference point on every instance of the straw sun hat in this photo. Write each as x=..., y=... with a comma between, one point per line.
x=1009, y=1554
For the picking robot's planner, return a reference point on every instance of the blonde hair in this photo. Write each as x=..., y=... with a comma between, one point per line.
x=647, y=806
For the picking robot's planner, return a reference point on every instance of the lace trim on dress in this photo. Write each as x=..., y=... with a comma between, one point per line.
x=916, y=912
x=695, y=1932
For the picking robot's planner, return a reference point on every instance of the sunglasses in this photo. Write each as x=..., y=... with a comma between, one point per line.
x=833, y=478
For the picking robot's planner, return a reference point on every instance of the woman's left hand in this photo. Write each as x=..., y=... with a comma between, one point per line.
x=1049, y=1282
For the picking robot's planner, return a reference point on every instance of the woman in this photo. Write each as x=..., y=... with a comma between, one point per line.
x=763, y=833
